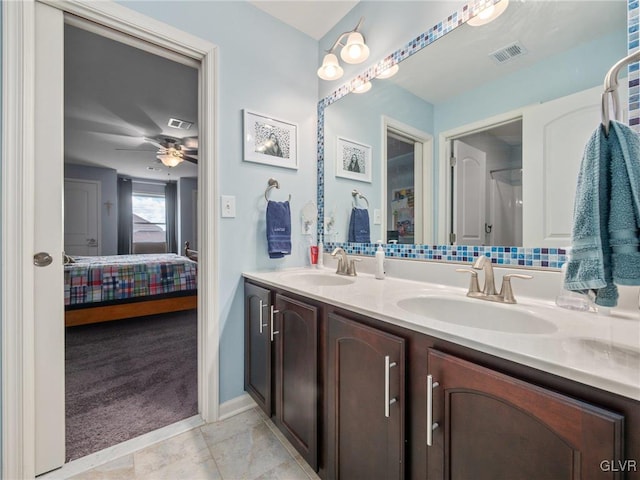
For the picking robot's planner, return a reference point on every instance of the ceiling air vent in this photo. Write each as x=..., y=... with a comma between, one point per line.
x=505, y=54
x=181, y=124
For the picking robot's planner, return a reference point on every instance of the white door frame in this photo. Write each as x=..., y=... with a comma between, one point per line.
x=17, y=196
x=423, y=174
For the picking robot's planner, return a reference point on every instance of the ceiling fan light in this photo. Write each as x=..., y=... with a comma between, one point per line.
x=355, y=51
x=169, y=160
x=330, y=69
x=489, y=14
x=389, y=72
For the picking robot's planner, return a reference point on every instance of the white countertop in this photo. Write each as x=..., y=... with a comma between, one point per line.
x=580, y=348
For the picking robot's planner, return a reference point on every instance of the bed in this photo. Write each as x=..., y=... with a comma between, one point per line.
x=99, y=289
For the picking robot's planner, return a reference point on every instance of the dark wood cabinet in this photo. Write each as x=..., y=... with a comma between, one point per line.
x=325, y=374
x=492, y=426
x=281, y=365
x=257, y=345
x=296, y=375
x=365, y=402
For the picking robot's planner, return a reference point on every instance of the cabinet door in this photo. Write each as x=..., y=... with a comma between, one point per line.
x=492, y=426
x=296, y=375
x=365, y=396
x=257, y=345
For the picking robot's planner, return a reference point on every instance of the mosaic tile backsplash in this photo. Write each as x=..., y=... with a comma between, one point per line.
x=547, y=258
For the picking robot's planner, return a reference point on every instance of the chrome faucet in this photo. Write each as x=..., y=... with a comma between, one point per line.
x=489, y=288
x=346, y=266
x=484, y=263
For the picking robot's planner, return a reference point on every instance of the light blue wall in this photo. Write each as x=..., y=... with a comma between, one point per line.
x=264, y=66
x=108, y=179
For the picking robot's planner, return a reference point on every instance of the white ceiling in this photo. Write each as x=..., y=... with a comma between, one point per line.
x=313, y=17
x=115, y=96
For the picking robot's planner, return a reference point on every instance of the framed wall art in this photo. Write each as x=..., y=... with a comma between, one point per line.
x=270, y=141
x=353, y=160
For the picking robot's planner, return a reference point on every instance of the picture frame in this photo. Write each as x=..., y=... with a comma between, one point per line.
x=353, y=160
x=269, y=140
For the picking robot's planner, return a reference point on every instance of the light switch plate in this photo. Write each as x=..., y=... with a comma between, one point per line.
x=377, y=216
x=228, y=206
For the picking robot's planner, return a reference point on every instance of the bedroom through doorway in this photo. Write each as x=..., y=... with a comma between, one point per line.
x=130, y=238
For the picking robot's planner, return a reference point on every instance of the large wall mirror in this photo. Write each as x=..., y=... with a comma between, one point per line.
x=513, y=101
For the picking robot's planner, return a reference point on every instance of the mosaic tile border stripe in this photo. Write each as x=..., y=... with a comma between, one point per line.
x=535, y=257
x=633, y=18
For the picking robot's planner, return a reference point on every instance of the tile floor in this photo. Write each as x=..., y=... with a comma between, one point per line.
x=247, y=446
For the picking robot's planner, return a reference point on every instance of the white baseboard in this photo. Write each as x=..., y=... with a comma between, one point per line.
x=235, y=406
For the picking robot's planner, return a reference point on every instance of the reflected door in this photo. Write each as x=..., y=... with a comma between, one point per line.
x=469, y=197
x=81, y=217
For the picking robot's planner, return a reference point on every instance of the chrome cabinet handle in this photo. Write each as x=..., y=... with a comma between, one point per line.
x=262, y=306
x=272, y=321
x=388, y=364
x=430, y=425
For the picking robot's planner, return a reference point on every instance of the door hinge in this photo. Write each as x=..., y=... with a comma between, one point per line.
x=452, y=161
x=452, y=238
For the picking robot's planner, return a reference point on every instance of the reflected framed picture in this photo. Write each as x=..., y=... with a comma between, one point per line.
x=270, y=141
x=353, y=160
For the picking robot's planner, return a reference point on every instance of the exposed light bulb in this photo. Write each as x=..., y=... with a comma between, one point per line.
x=355, y=51
x=330, y=69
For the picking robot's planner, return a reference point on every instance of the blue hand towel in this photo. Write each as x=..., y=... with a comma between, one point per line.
x=278, y=229
x=606, y=233
x=359, y=226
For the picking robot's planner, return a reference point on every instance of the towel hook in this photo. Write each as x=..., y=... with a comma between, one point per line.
x=356, y=195
x=273, y=183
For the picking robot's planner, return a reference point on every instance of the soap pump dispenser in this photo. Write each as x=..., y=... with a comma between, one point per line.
x=379, y=261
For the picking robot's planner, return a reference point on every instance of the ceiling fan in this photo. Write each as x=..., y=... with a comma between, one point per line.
x=171, y=150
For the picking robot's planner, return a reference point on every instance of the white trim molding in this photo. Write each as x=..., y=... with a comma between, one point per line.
x=235, y=406
x=17, y=196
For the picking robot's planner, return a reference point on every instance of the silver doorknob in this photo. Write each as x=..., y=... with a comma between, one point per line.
x=42, y=259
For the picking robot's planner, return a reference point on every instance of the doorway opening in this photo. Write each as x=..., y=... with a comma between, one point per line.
x=406, y=186
x=130, y=197
x=485, y=177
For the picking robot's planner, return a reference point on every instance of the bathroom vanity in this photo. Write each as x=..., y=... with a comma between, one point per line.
x=365, y=385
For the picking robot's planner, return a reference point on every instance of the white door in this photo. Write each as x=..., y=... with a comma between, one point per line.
x=81, y=217
x=49, y=291
x=470, y=186
x=554, y=135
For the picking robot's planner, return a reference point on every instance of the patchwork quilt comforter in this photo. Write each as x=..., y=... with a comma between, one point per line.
x=119, y=277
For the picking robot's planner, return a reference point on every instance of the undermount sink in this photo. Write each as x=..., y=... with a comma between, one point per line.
x=606, y=352
x=478, y=314
x=318, y=279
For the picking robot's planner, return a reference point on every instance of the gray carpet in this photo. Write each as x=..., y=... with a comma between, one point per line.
x=128, y=377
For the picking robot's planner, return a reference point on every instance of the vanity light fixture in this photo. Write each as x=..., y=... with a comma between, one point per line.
x=354, y=51
x=489, y=14
x=389, y=72
x=362, y=87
